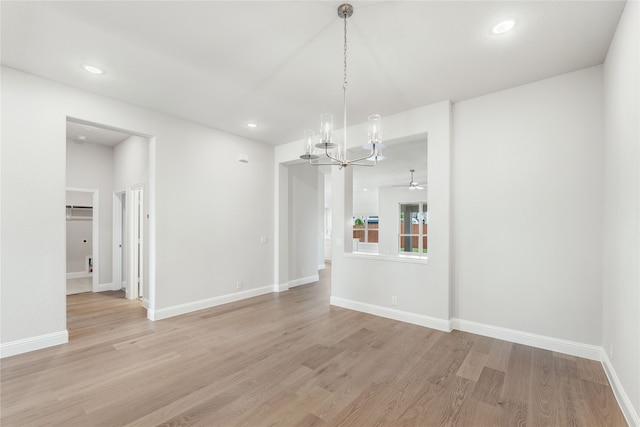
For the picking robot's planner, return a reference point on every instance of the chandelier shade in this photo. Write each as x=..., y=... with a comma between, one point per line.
x=331, y=151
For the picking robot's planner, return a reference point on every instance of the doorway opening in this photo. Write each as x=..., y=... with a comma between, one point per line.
x=115, y=164
x=83, y=240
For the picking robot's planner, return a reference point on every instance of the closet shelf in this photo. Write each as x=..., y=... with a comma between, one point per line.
x=79, y=212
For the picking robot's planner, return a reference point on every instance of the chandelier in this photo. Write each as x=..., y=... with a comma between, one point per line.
x=335, y=153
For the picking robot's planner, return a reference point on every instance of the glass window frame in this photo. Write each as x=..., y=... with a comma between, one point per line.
x=422, y=219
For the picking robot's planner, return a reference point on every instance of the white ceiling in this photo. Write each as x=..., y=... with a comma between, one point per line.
x=279, y=63
x=80, y=133
x=394, y=170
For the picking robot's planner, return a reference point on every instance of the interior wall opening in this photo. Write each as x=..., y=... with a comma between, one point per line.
x=113, y=163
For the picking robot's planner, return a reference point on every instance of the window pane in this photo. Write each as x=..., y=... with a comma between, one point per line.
x=413, y=228
x=358, y=228
x=408, y=218
x=408, y=243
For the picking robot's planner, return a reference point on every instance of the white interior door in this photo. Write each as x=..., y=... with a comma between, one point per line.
x=119, y=240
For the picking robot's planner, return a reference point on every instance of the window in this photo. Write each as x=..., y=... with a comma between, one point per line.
x=365, y=228
x=413, y=228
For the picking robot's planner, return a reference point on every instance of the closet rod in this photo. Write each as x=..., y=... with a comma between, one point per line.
x=79, y=207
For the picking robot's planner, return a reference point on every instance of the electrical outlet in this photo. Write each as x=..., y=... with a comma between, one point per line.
x=394, y=300
x=239, y=284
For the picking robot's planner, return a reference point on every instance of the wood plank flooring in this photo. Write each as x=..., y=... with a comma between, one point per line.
x=290, y=359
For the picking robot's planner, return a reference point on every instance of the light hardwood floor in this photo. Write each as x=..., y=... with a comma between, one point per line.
x=290, y=359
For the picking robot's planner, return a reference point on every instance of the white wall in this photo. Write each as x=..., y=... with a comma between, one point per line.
x=621, y=275
x=303, y=223
x=367, y=282
x=422, y=288
x=320, y=220
x=91, y=166
x=365, y=202
x=33, y=177
x=79, y=245
x=527, y=176
x=209, y=211
x=130, y=162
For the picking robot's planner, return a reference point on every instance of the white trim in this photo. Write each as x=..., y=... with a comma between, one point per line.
x=116, y=239
x=189, y=307
x=632, y=417
x=281, y=287
x=573, y=348
x=303, y=281
x=78, y=275
x=95, y=251
x=321, y=266
x=135, y=250
x=102, y=287
x=413, y=259
x=391, y=313
x=540, y=341
x=34, y=343
x=151, y=222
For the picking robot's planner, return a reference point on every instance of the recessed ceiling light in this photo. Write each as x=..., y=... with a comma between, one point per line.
x=93, y=69
x=503, y=26
x=252, y=125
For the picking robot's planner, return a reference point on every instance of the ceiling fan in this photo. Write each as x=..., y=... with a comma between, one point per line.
x=413, y=185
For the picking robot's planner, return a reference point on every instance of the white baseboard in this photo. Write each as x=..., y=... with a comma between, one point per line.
x=632, y=417
x=189, y=307
x=102, y=287
x=573, y=348
x=78, y=275
x=281, y=287
x=303, y=281
x=390, y=313
x=540, y=341
x=34, y=343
